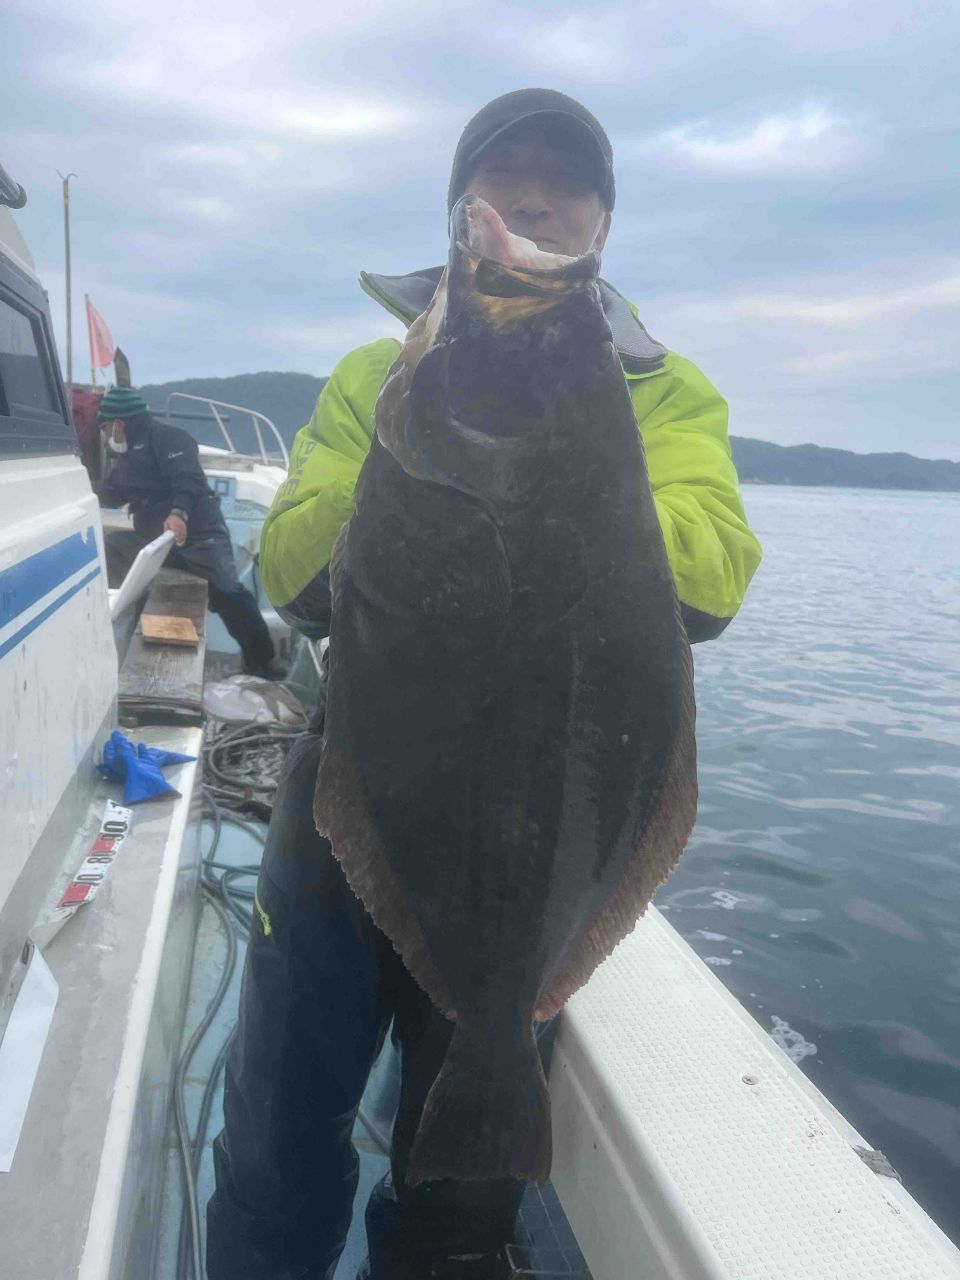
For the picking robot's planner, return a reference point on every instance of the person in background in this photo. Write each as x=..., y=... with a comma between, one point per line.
x=321, y=982
x=156, y=472
x=85, y=408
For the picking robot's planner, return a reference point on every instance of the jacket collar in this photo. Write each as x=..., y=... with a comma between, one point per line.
x=137, y=431
x=408, y=296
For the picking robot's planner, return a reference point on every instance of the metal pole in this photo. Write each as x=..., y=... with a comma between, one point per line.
x=93, y=372
x=66, y=245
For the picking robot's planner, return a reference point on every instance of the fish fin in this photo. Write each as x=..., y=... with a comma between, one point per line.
x=448, y=562
x=472, y=573
x=392, y=410
x=342, y=814
x=663, y=837
x=552, y=576
x=484, y=1119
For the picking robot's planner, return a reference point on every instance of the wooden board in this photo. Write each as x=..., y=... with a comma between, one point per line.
x=159, y=628
x=163, y=683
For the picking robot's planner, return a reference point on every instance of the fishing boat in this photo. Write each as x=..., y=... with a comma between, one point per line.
x=687, y=1145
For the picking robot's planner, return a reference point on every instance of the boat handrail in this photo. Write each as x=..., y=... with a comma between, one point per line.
x=11, y=193
x=256, y=418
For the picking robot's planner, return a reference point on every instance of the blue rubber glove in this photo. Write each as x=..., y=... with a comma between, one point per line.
x=141, y=778
x=161, y=757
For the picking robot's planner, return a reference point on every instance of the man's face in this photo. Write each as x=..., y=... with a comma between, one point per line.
x=114, y=431
x=543, y=192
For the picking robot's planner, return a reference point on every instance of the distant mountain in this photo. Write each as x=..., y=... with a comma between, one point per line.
x=288, y=400
x=760, y=462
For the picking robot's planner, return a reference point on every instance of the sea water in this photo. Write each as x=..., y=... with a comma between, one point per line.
x=822, y=882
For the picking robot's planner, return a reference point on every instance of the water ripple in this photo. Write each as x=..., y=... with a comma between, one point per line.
x=823, y=880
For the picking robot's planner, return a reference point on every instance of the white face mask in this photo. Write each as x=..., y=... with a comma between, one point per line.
x=117, y=446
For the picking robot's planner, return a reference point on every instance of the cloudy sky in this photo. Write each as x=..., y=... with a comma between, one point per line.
x=787, y=173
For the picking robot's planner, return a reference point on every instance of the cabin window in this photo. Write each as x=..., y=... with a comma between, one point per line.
x=33, y=410
x=24, y=384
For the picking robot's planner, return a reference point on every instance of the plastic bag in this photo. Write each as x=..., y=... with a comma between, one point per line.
x=250, y=700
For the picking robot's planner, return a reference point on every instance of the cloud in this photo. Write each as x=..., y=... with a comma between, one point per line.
x=863, y=31
x=836, y=362
x=213, y=155
x=336, y=335
x=809, y=140
x=210, y=209
x=841, y=309
x=255, y=106
x=786, y=184
x=587, y=46
x=844, y=361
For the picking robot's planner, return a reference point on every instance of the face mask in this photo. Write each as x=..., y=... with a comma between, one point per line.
x=117, y=446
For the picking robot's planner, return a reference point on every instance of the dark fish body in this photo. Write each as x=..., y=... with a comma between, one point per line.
x=509, y=764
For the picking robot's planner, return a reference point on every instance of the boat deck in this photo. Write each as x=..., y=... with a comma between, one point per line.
x=687, y=1146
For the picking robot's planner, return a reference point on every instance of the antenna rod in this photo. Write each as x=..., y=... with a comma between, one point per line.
x=66, y=245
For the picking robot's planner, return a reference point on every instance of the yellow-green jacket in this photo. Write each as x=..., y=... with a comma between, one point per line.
x=682, y=421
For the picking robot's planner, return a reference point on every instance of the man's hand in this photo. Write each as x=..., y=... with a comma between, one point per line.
x=177, y=527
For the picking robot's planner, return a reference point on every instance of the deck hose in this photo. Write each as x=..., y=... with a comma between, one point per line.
x=243, y=762
x=243, y=765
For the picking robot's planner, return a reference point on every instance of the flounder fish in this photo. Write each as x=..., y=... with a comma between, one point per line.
x=509, y=763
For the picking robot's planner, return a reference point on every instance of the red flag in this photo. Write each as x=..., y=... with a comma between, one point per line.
x=102, y=345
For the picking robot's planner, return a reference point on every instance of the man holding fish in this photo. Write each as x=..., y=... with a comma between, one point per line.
x=511, y=574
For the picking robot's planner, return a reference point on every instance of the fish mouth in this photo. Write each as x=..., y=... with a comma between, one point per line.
x=505, y=275
x=494, y=282
x=478, y=229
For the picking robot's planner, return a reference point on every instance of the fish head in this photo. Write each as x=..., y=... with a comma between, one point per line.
x=500, y=279
x=485, y=369
x=478, y=230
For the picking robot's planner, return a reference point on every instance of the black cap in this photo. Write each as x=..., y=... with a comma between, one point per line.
x=503, y=113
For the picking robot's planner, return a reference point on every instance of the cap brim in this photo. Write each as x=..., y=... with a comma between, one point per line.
x=568, y=117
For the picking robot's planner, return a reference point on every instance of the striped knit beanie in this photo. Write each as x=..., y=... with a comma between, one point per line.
x=121, y=402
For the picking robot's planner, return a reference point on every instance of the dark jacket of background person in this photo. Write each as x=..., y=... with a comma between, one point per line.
x=159, y=473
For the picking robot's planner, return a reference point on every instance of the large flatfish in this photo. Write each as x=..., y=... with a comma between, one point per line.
x=509, y=769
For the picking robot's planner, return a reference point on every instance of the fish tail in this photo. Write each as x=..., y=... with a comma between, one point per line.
x=484, y=1119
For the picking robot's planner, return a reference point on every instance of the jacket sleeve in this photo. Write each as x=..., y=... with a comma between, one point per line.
x=316, y=499
x=683, y=422
x=110, y=492
x=179, y=460
x=711, y=549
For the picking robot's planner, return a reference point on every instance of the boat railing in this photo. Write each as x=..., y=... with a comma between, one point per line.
x=259, y=421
